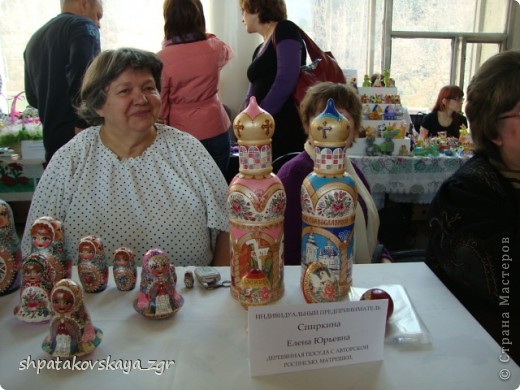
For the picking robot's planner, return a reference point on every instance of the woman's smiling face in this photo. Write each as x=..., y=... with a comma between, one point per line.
x=132, y=104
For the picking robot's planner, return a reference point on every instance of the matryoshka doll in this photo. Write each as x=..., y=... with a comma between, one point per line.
x=10, y=254
x=58, y=247
x=71, y=330
x=256, y=203
x=42, y=236
x=328, y=198
x=157, y=297
x=92, y=264
x=34, y=303
x=124, y=270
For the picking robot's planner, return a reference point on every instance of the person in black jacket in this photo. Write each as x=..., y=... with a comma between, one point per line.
x=445, y=115
x=56, y=58
x=274, y=71
x=474, y=219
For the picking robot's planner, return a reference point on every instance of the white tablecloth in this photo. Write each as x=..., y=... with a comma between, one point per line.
x=207, y=340
x=407, y=179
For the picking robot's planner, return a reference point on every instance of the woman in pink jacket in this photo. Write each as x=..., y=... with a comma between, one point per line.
x=192, y=62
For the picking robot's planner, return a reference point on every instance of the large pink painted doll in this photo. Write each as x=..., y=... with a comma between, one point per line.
x=92, y=264
x=10, y=254
x=34, y=303
x=124, y=270
x=48, y=239
x=71, y=330
x=157, y=297
x=256, y=204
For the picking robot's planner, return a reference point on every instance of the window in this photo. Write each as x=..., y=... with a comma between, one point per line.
x=425, y=44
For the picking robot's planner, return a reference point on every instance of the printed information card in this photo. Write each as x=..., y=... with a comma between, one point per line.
x=309, y=336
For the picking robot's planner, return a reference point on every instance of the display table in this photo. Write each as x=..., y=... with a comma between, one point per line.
x=208, y=341
x=407, y=179
x=18, y=178
x=402, y=179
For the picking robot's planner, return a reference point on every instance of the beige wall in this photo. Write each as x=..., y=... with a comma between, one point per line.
x=233, y=81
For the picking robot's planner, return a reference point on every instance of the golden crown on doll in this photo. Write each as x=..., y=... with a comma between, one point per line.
x=330, y=128
x=253, y=126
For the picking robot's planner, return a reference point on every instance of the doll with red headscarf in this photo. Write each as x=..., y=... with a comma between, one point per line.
x=37, y=284
x=124, y=270
x=48, y=239
x=92, y=264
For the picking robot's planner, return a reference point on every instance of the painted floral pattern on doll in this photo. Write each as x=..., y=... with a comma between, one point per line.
x=71, y=330
x=34, y=303
x=157, y=297
x=124, y=269
x=47, y=237
x=256, y=202
x=10, y=254
x=319, y=284
x=254, y=289
x=92, y=264
x=328, y=199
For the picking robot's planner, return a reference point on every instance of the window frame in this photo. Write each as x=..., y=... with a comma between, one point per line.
x=459, y=40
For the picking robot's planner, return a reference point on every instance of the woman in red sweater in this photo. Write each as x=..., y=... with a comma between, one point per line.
x=192, y=62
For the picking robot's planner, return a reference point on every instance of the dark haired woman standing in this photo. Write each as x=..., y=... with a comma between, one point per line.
x=275, y=68
x=192, y=62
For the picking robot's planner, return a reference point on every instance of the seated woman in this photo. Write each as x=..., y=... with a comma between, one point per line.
x=445, y=115
x=292, y=174
x=130, y=181
x=474, y=219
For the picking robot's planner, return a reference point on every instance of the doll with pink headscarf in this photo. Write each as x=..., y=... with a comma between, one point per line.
x=157, y=297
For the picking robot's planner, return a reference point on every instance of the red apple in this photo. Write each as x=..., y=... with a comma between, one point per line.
x=377, y=293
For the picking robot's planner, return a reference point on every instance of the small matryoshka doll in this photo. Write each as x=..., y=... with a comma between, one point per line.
x=92, y=264
x=42, y=236
x=125, y=270
x=71, y=330
x=157, y=297
x=34, y=303
x=64, y=269
x=10, y=254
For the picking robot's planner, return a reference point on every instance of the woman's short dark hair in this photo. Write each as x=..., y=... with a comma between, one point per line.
x=344, y=97
x=184, y=18
x=268, y=10
x=107, y=67
x=491, y=93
